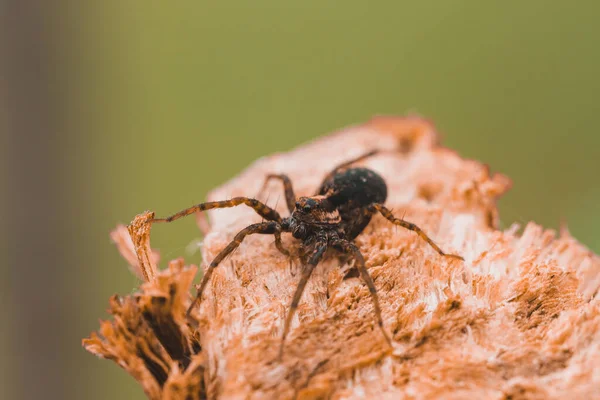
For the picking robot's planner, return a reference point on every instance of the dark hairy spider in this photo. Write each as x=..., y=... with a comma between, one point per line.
x=340, y=210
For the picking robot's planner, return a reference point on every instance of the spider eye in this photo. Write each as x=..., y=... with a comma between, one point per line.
x=298, y=205
x=306, y=208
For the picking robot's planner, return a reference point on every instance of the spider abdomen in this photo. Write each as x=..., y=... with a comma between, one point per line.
x=360, y=186
x=351, y=192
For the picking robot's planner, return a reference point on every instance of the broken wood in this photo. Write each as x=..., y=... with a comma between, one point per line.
x=518, y=319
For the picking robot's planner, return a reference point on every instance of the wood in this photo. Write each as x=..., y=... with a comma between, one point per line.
x=518, y=319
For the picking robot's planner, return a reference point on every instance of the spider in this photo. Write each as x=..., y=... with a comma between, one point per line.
x=341, y=209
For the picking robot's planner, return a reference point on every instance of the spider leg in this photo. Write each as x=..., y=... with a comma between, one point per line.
x=315, y=257
x=410, y=226
x=290, y=197
x=278, y=243
x=263, y=227
x=261, y=209
x=350, y=248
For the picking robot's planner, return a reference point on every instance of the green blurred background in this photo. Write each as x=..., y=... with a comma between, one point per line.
x=111, y=108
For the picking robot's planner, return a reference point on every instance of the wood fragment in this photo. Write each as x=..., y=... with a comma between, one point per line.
x=139, y=231
x=122, y=239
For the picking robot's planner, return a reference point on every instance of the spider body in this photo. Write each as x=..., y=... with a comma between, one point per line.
x=340, y=210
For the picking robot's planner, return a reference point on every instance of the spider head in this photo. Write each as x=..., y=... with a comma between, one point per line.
x=314, y=211
x=307, y=205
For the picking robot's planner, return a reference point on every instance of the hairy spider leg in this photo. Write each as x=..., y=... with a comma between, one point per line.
x=410, y=226
x=290, y=197
x=348, y=163
x=315, y=257
x=290, y=201
x=350, y=248
x=261, y=209
x=279, y=243
x=263, y=227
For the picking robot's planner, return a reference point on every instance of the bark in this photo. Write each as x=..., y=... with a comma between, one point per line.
x=518, y=319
